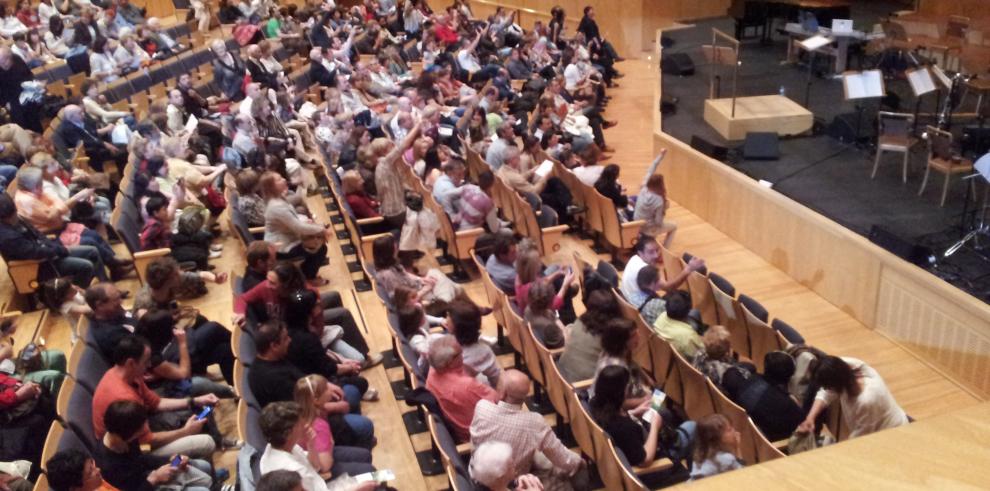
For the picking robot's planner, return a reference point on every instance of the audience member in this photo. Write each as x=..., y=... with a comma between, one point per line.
x=648, y=253
x=272, y=379
x=464, y=322
x=867, y=404
x=535, y=447
x=176, y=428
x=73, y=470
x=456, y=391
x=674, y=325
x=716, y=447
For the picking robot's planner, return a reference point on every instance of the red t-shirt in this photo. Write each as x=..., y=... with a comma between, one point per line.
x=114, y=387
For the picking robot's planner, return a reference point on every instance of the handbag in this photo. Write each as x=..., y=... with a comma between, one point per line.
x=29, y=359
x=72, y=234
x=215, y=200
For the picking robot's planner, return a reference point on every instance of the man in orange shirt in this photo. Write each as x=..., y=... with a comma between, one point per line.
x=125, y=381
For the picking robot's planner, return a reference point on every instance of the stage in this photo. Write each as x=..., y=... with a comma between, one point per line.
x=820, y=172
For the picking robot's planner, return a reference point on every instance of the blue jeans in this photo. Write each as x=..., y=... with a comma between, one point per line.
x=352, y=460
x=353, y=397
x=93, y=238
x=363, y=428
x=81, y=264
x=7, y=173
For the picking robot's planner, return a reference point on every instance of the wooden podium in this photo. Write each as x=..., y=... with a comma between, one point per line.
x=764, y=113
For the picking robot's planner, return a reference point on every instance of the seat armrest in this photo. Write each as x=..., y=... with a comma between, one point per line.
x=655, y=466
x=583, y=384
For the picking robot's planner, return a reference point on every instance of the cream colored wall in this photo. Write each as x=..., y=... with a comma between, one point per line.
x=932, y=318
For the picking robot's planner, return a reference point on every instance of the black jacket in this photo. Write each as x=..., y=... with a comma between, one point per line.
x=260, y=75
x=318, y=36
x=23, y=241
x=72, y=134
x=320, y=75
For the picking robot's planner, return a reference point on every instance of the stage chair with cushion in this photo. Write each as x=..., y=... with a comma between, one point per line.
x=619, y=235
x=729, y=312
x=697, y=401
x=55, y=433
x=790, y=334
x=451, y=454
x=894, y=130
x=702, y=297
x=665, y=371
x=91, y=369
x=942, y=158
x=672, y=266
x=642, y=355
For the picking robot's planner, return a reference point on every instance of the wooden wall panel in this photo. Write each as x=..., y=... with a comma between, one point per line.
x=687, y=9
x=932, y=318
x=970, y=8
x=622, y=26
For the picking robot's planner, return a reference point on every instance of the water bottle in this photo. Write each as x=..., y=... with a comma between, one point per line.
x=783, y=91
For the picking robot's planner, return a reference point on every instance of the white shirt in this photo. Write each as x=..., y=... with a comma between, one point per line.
x=274, y=459
x=45, y=13
x=103, y=63
x=468, y=61
x=629, y=288
x=874, y=409
x=11, y=25
x=572, y=76
x=588, y=174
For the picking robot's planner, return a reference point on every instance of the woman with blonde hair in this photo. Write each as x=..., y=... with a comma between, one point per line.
x=312, y=393
x=716, y=447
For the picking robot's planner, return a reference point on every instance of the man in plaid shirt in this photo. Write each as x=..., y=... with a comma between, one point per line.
x=535, y=448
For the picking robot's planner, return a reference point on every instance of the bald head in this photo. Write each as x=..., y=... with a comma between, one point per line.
x=515, y=386
x=73, y=113
x=254, y=51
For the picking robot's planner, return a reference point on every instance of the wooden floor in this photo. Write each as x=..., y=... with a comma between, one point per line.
x=923, y=391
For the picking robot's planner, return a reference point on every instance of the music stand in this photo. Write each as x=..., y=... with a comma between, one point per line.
x=982, y=167
x=867, y=84
x=727, y=43
x=721, y=56
x=922, y=83
x=812, y=45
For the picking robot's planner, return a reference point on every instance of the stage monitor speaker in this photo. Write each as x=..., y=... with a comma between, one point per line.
x=904, y=249
x=708, y=148
x=679, y=64
x=761, y=146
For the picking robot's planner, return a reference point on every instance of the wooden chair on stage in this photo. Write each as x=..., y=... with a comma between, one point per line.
x=942, y=158
x=894, y=130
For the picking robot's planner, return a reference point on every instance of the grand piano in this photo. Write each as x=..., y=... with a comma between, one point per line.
x=760, y=14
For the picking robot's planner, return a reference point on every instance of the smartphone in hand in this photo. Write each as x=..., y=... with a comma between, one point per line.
x=204, y=413
x=176, y=461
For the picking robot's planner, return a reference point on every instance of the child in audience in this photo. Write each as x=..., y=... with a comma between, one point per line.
x=312, y=393
x=157, y=231
x=716, y=447
x=61, y=295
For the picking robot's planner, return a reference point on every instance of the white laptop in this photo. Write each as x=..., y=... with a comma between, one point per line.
x=842, y=26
